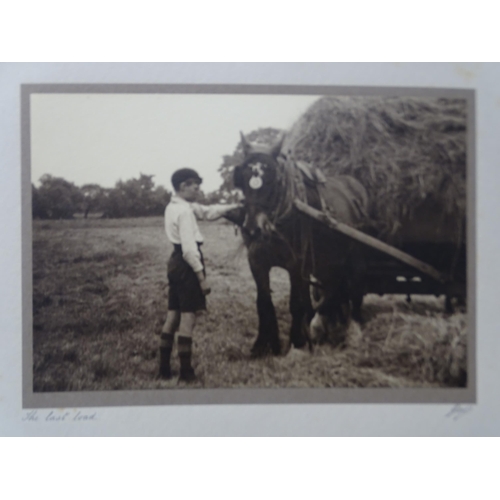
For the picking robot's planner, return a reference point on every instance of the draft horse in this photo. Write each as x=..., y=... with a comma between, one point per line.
x=276, y=234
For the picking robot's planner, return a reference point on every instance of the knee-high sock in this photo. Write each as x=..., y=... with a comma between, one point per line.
x=184, y=348
x=166, y=344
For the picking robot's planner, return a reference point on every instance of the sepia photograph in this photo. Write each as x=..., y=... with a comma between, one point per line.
x=244, y=243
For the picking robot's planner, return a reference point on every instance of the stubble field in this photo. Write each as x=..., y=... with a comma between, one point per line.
x=99, y=302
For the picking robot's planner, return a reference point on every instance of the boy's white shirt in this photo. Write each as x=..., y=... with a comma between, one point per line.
x=182, y=229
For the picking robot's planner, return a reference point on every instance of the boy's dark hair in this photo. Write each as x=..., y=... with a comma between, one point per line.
x=184, y=174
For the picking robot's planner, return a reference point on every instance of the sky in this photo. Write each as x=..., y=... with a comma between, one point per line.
x=101, y=138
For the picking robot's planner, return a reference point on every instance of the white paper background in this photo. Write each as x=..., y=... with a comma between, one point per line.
x=482, y=419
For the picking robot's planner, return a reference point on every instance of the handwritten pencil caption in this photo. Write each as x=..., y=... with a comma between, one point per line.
x=59, y=416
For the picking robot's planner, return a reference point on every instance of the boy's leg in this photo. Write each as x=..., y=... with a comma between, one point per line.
x=184, y=345
x=172, y=323
x=167, y=342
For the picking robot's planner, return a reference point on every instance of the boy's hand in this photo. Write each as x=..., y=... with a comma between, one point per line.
x=205, y=287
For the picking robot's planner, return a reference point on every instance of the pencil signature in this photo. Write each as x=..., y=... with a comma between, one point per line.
x=458, y=411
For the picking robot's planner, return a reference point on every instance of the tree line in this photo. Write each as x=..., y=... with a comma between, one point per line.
x=57, y=198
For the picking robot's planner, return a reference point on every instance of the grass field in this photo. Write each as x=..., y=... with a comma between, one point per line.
x=99, y=302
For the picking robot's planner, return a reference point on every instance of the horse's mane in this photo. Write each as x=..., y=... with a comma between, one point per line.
x=290, y=187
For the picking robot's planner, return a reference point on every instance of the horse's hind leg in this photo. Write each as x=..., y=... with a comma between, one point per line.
x=357, y=311
x=301, y=310
x=357, y=283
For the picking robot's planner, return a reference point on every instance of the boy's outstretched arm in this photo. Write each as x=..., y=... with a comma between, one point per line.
x=214, y=212
x=236, y=215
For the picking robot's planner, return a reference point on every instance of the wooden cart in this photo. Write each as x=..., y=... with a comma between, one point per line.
x=393, y=270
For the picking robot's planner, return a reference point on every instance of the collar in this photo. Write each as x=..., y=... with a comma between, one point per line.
x=178, y=199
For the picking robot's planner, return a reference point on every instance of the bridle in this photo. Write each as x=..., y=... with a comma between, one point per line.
x=289, y=187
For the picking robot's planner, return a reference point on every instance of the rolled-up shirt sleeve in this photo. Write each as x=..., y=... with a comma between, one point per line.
x=211, y=212
x=190, y=252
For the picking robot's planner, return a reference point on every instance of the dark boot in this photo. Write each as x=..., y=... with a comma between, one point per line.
x=166, y=344
x=184, y=348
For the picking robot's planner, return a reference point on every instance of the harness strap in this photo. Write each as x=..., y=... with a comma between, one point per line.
x=291, y=179
x=299, y=184
x=306, y=236
x=321, y=189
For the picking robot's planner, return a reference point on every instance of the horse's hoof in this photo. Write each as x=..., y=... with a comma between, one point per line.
x=359, y=318
x=276, y=350
x=297, y=354
x=448, y=305
x=299, y=342
x=259, y=351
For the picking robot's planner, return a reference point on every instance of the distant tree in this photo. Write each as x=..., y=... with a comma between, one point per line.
x=93, y=197
x=135, y=198
x=56, y=198
x=160, y=199
x=37, y=207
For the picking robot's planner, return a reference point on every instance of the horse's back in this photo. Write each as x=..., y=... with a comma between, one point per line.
x=346, y=199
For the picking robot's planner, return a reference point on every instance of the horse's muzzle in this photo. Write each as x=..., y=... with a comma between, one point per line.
x=254, y=233
x=259, y=228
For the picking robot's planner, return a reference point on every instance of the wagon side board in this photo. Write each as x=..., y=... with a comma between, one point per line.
x=396, y=279
x=422, y=278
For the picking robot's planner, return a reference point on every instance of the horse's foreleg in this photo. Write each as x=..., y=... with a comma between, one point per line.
x=268, y=324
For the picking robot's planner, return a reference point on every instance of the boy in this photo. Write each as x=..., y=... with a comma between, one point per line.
x=186, y=270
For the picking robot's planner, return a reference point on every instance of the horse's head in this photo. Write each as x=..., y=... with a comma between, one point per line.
x=257, y=176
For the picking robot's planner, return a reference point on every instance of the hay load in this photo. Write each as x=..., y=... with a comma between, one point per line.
x=409, y=153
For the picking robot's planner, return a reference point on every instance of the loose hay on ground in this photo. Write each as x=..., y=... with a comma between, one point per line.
x=427, y=347
x=108, y=340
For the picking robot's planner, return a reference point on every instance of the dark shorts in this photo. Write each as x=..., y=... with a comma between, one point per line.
x=184, y=291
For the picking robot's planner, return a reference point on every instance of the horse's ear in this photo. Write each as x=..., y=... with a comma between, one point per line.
x=246, y=145
x=276, y=149
x=238, y=180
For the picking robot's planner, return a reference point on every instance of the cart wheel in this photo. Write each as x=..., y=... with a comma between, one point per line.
x=448, y=305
